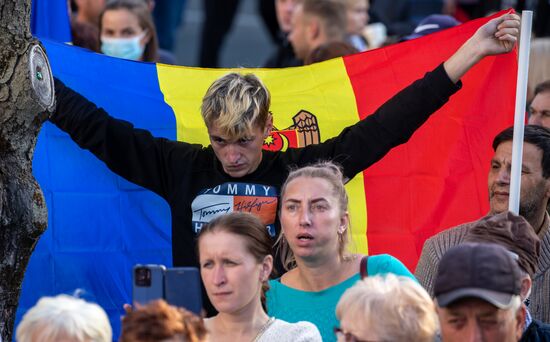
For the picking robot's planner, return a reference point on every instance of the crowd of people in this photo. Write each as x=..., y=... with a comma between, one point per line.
x=487, y=280
x=350, y=25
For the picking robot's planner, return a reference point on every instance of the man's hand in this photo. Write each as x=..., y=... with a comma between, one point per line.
x=496, y=36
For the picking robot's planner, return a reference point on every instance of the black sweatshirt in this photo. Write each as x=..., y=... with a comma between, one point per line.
x=191, y=179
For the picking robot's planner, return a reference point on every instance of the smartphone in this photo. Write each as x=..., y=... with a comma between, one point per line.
x=182, y=288
x=148, y=283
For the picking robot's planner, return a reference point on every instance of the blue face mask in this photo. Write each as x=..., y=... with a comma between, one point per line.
x=128, y=48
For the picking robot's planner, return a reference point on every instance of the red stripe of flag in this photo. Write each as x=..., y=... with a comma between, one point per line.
x=439, y=178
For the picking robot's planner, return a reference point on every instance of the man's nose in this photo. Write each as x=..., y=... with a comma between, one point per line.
x=503, y=176
x=233, y=154
x=473, y=333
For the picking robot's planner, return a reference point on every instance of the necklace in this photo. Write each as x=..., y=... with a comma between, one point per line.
x=263, y=329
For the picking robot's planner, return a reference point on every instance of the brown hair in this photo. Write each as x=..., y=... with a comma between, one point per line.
x=328, y=51
x=512, y=232
x=236, y=103
x=85, y=35
x=247, y=226
x=332, y=173
x=542, y=87
x=141, y=11
x=158, y=321
x=332, y=15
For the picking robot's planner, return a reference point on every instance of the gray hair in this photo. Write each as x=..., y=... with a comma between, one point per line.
x=395, y=308
x=63, y=316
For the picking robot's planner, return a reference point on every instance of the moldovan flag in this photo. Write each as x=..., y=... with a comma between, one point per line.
x=50, y=20
x=101, y=225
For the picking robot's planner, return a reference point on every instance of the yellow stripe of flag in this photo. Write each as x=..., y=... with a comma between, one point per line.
x=323, y=89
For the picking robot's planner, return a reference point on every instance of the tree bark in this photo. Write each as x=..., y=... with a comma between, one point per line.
x=26, y=96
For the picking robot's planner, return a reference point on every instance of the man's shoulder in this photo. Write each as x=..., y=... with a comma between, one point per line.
x=452, y=233
x=537, y=331
x=449, y=237
x=544, y=258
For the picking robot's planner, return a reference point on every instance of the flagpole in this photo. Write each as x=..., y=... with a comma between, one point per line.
x=519, y=117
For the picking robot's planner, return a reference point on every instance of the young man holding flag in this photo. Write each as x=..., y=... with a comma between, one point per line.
x=234, y=173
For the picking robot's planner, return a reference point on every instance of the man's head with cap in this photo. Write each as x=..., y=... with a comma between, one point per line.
x=477, y=291
x=515, y=234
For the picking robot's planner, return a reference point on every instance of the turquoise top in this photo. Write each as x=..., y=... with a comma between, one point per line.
x=319, y=308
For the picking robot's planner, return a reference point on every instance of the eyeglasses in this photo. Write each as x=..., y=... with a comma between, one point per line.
x=346, y=336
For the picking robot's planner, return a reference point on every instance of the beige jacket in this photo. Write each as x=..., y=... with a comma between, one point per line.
x=437, y=245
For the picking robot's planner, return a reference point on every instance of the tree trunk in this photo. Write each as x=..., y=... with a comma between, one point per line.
x=26, y=95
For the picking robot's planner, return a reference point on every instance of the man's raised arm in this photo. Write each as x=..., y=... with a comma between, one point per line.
x=495, y=37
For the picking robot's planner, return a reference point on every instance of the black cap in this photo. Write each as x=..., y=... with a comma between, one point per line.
x=431, y=24
x=477, y=270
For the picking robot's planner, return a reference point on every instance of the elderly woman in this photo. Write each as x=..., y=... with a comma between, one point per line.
x=386, y=308
x=235, y=263
x=64, y=318
x=314, y=236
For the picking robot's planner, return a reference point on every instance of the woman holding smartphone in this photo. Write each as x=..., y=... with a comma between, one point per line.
x=313, y=240
x=235, y=262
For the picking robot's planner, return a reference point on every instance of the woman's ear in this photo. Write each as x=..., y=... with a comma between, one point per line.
x=344, y=223
x=146, y=38
x=267, y=267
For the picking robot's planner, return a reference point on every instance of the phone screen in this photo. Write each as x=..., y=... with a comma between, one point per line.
x=182, y=288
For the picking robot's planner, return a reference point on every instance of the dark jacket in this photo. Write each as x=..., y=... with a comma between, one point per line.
x=536, y=332
x=283, y=56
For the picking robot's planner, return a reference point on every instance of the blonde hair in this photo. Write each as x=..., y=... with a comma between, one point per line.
x=63, y=316
x=331, y=173
x=235, y=104
x=395, y=308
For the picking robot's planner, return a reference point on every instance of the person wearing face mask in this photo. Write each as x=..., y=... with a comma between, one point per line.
x=127, y=31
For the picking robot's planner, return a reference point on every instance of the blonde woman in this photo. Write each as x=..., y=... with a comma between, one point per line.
x=314, y=236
